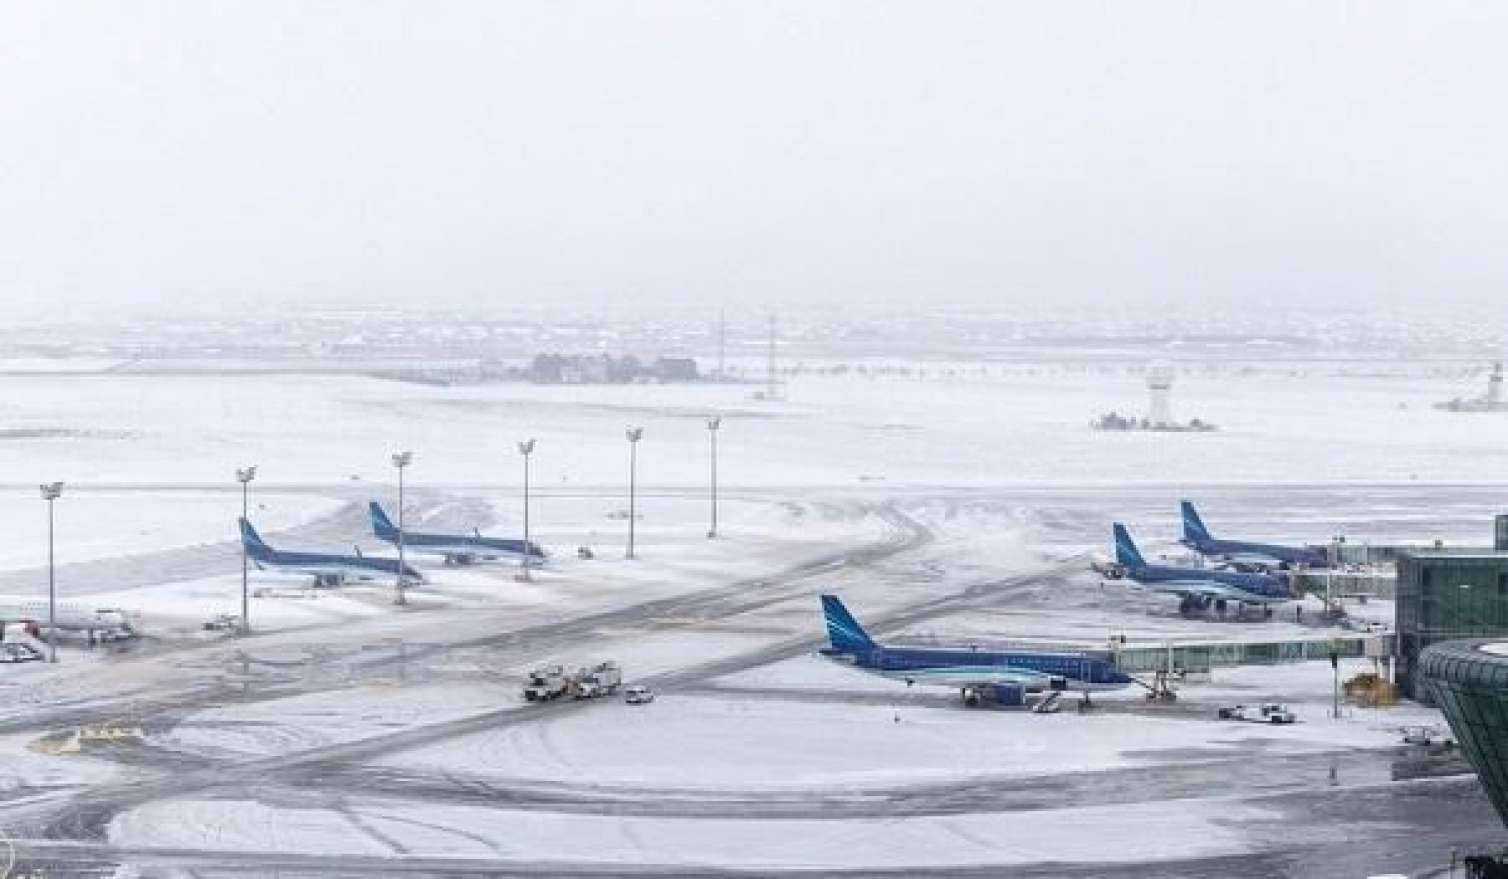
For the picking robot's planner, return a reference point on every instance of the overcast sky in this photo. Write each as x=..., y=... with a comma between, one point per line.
x=751, y=152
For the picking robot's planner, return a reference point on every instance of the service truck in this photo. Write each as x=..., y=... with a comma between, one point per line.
x=599, y=680
x=545, y=683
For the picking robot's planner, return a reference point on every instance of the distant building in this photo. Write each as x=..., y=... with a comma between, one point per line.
x=597, y=369
x=1492, y=401
x=676, y=369
x=1446, y=595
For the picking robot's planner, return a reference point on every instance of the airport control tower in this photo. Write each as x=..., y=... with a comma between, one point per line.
x=1160, y=385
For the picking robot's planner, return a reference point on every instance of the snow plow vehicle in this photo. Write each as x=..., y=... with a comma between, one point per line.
x=602, y=679
x=550, y=682
x=545, y=683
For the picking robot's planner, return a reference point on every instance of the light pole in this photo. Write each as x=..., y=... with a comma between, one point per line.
x=401, y=460
x=50, y=492
x=634, y=434
x=526, y=448
x=245, y=475
x=1335, y=675
x=713, y=423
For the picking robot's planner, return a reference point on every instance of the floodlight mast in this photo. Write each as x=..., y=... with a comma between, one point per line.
x=245, y=475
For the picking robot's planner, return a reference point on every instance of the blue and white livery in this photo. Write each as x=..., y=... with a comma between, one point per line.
x=1002, y=676
x=327, y=569
x=458, y=549
x=1243, y=553
x=1200, y=588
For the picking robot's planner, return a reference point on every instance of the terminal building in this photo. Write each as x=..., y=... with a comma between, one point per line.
x=1469, y=681
x=1448, y=595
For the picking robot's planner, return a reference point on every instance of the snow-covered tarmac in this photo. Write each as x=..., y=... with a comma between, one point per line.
x=349, y=734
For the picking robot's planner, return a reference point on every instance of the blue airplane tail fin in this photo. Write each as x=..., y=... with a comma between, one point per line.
x=382, y=526
x=1193, y=526
x=252, y=541
x=843, y=630
x=1126, y=552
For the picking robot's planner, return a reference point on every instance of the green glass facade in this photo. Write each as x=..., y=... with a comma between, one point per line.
x=1444, y=596
x=1469, y=681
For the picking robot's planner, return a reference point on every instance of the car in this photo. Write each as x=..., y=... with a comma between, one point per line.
x=1425, y=735
x=638, y=695
x=11, y=651
x=1232, y=712
x=1272, y=712
x=225, y=622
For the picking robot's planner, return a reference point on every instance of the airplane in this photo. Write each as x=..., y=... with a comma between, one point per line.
x=1003, y=676
x=1245, y=555
x=107, y=623
x=458, y=549
x=1197, y=587
x=328, y=569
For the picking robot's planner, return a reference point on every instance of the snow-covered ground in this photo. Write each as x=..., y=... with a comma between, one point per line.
x=375, y=827
x=98, y=524
x=727, y=741
x=963, y=507
x=1025, y=426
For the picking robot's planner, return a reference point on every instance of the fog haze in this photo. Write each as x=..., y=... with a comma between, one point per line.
x=497, y=154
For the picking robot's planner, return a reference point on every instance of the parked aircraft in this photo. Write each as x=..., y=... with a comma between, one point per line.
x=458, y=549
x=327, y=569
x=31, y=612
x=1243, y=553
x=1200, y=588
x=1000, y=675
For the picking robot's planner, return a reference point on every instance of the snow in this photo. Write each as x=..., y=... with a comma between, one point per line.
x=803, y=481
x=24, y=769
x=369, y=826
x=280, y=726
x=1027, y=426
x=729, y=741
x=97, y=524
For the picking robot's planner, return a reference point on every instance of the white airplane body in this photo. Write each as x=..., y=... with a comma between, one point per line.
x=71, y=616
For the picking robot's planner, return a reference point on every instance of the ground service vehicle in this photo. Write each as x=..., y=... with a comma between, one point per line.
x=545, y=683
x=11, y=651
x=1272, y=712
x=600, y=680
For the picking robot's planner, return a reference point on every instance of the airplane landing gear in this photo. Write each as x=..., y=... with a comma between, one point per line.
x=1267, y=612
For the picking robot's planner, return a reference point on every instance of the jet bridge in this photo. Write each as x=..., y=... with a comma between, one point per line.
x=1202, y=656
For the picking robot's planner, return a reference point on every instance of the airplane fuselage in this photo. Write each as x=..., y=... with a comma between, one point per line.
x=1257, y=553
x=330, y=567
x=70, y=616
x=1227, y=585
x=459, y=547
x=967, y=667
